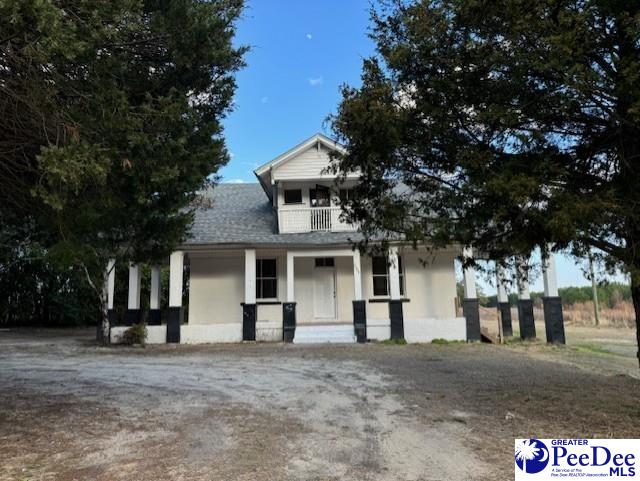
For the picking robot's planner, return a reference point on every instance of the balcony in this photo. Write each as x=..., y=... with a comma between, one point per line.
x=312, y=219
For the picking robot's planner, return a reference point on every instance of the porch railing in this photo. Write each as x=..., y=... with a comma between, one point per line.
x=312, y=219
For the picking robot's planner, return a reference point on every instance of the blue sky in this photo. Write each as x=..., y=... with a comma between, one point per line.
x=301, y=52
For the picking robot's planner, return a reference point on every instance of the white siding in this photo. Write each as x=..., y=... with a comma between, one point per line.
x=216, y=289
x=307, y=165
x=431, y=288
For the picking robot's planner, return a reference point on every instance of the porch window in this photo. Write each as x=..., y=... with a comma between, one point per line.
x=319, y=197
x=266, y=279
x=380, y=270
x=293, y=196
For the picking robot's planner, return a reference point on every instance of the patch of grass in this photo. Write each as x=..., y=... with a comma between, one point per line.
x=446, y=342
x=394, y=342
x=593, y=348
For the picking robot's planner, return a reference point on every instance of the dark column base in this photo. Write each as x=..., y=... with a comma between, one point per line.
x=397, y=319
x=525, y=319
x=360, y=320
x=132, y=316
x=288, y=321
x=553, y=319
x=112, y=315
x=155, y=317
x=504, y=309
x=249, y=316
x=471, y=313
x=175, y=316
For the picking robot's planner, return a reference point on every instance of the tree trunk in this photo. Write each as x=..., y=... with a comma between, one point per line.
x=103, y=334
x=103, y=331
x=635, y=295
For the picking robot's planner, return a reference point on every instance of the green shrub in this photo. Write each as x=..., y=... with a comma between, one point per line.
x=136, y=334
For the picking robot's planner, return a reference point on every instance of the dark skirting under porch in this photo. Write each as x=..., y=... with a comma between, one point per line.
x=155, y=317
x=132, y=316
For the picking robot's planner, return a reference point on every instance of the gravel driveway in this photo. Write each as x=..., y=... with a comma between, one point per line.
x=283, y=412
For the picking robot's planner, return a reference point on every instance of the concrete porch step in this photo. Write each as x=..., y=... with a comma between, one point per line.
x=324, y=333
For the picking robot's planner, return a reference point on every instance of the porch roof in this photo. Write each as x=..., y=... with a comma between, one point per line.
x=241, y=214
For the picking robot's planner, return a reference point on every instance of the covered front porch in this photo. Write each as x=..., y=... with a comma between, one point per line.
x=291, y=295
x=299, y=294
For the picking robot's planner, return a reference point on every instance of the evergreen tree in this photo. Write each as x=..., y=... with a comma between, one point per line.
x=502, y=124
x=111, y=121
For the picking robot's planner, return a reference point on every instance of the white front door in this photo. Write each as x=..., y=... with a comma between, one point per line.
x=324, y=293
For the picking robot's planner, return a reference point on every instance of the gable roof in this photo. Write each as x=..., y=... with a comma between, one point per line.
x=240, y=215
x=298, y=149
x=264, y=172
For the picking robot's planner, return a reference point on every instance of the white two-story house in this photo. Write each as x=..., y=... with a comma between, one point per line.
x=273, y=261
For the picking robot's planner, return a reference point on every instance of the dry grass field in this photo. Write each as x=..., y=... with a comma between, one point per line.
x=74, y=411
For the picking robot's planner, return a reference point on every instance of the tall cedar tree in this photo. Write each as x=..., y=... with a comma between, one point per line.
x=111, y=121
x=502, y=124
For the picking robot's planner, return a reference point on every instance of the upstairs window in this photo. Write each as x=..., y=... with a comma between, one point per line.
x=380, y=272
x=346, y=195
x=266, y=279
x=293, y=196
x=325, y=262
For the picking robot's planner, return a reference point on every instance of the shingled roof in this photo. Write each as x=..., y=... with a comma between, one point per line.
x=242, y=215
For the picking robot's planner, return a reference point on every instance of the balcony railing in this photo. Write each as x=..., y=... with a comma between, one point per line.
x=312, y=219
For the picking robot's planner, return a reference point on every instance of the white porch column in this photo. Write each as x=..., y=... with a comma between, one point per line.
x=111, y=282
x=357, y=276
x=176, y=266
x=394, y=274
x=501, y=284
x=154, y=298
x=469, y=274
x=522, y=277
x=549, y=276
x=290, y=281
x=134, y=287
x=250, y=276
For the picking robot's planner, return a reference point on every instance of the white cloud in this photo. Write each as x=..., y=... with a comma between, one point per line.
x=314, y=82
x=234, y=181
x=309, y=36
x=264, y=99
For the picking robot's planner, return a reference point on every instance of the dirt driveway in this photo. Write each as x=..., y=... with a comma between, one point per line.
x=73, y=411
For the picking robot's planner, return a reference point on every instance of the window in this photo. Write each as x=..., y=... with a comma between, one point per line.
x=266, y=279
x=293, y=196
x=325, y=262
x=346, y=195
x=319, y=197
x=380, y=271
